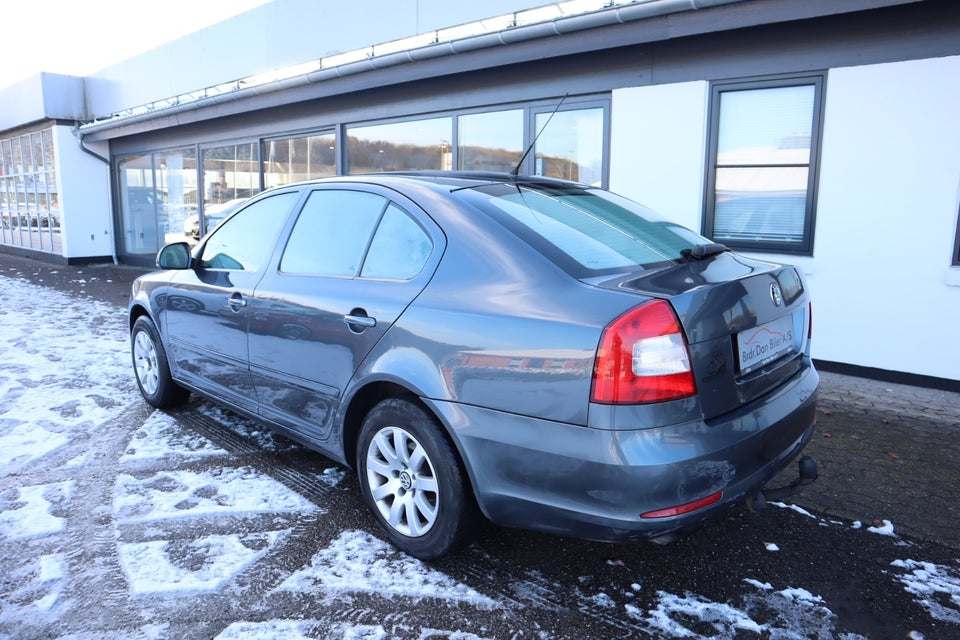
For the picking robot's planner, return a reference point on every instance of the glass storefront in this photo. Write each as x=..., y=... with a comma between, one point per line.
x=158, y=196
x=571, y=145
x=290, y=160
x=180, y=194
x=490, y=141
x=414, y=145
x=29, y=198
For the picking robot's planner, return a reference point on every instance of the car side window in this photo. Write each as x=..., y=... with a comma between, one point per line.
x=332, y=233
x=244, y=241
x=399, y=249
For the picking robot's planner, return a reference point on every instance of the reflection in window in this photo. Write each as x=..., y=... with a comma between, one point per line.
x=571, y=145
x=176, y=176
x=295, y=159
x=245, y=240
x=230, y=172
x=399, y=249
x=332, y=233
x=760, y=189
x=139, y=210
x=158, y=194
x=401, y=146
x=490, y=141
x=29, y=199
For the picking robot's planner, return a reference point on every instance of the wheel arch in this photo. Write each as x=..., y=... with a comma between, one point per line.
x=136, y=312
x=372, y=393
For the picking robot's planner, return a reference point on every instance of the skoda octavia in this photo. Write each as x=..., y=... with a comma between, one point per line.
x=540, y=353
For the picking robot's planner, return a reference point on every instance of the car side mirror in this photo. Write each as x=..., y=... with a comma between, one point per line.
x=174, y=256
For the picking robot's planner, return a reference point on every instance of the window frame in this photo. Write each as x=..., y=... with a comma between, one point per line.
x=819, y=80
x=956, y=243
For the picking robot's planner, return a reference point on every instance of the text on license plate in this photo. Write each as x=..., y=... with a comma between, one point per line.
x=764, y=343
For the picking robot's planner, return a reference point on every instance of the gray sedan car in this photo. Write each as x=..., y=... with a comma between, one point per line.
x=541, y=353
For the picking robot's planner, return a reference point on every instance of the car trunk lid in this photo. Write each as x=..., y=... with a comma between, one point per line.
x=746, y=323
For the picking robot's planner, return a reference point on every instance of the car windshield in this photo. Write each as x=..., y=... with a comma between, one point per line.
x=586, y=231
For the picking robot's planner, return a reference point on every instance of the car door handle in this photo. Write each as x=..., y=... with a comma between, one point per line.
x=236, y=302
x=359, y=323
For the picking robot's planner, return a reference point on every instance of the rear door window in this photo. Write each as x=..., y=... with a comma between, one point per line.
x=332, y=233
x=399, y=249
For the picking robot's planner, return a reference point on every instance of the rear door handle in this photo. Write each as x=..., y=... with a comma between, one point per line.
x=236, y=302
x=358, y=320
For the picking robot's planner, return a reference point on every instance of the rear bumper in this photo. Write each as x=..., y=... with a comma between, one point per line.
x=595, y=484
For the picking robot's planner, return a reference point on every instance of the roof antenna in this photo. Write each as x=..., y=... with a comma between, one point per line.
x=516, y=169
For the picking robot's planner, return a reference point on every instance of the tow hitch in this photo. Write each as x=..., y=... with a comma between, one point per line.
x=808, y=473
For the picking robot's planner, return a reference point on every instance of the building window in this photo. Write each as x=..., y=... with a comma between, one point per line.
x=291, y=160
x=762, y=172
x=570, y=145
x=413, y=145
x=491, y=141
x=158, y=199
x=29, y=198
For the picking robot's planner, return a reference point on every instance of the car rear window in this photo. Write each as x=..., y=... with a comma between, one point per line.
x=587, y=231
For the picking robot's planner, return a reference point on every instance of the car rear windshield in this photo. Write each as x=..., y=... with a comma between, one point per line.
x=586, y=231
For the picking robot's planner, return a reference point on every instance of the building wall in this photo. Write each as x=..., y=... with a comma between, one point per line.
x=884, y=292
x=280, y=33
x=84, y=186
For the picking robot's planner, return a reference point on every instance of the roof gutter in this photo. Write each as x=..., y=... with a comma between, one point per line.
x=560, y=26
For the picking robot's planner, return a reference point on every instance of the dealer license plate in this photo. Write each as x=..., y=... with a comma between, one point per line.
x=764, y=343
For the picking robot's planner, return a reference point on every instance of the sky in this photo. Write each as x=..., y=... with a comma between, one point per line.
x=78, y=38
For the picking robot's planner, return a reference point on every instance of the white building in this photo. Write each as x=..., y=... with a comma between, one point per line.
x=822, y=133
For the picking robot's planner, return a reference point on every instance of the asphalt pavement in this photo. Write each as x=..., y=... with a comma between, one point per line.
x=886, y=452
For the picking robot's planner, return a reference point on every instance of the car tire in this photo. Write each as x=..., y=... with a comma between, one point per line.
x=151, y=368
x=412, y=481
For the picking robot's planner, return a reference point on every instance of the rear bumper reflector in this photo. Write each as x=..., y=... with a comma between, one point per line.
x=684, y=508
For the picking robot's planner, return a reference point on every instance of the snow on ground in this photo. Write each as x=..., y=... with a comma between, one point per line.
x=63, y=369
x=161, y=436
x=28, y=512
x=936, y=587
x=357, y=562
x=187, y=518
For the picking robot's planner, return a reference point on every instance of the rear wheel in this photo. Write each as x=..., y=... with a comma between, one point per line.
x=150, y=365
x=412, y=481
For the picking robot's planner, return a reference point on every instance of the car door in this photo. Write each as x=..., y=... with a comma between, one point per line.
x=205, y=309
x=354, y=260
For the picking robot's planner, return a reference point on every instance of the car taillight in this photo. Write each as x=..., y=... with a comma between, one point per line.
x=643, y=358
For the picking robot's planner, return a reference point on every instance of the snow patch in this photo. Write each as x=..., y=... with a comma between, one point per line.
x=787, y=613
x=205, y=564
x=27, y=512
x=161, y=436
x=182, y=494
x=885, y=530
x=936, y=586
x=357, y=562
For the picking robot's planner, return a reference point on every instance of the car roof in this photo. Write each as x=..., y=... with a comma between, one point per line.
x=451, y=180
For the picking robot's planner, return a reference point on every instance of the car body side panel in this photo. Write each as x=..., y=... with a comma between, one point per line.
x=504, y=327
x=206, y=330
x=302, y=352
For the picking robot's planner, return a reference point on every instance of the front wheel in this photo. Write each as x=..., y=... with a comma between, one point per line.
x=412, y=481
x=151, y=368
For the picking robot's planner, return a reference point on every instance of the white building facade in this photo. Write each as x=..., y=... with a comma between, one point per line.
x=822, y=134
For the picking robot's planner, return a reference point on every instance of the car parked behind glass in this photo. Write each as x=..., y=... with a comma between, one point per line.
x=541, y=353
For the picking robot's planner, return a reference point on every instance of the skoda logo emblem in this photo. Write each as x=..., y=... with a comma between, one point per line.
x=775, y=294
